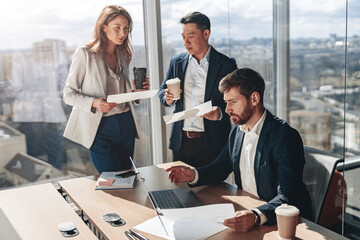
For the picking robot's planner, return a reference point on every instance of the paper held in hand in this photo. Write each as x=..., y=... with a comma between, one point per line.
x=108, y=180
x=189, y=113
x=131, y=96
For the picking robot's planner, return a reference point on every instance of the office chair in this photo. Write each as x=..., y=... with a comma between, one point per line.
x=324, y=184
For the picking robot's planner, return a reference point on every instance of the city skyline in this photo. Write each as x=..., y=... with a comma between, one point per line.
x=23, y=22
x=218, y=41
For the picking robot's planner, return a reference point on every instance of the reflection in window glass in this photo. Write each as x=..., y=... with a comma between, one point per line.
x=35, y=55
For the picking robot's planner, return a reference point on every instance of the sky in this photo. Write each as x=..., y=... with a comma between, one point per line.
x=23, y=22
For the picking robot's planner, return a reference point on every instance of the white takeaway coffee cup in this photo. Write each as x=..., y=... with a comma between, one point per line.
x=287, y=220
x=174, y=87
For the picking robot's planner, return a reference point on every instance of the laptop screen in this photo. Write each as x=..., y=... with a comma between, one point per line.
x=148, y=195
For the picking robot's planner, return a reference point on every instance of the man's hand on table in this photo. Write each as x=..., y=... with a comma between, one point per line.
x=181, y=174
x=242, y=222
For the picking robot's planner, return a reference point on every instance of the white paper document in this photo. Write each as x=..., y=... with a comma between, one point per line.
x=190, y=223
x=192, y=112
x=196, y=230
x=154, y=227
x=206, y=213
x=131, y=96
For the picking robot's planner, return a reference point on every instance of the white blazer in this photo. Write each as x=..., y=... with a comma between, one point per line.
x=88, y=80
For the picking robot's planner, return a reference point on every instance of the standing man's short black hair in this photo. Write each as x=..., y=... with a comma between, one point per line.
x=201, y=20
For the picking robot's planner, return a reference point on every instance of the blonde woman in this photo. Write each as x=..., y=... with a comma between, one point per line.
x=98, y=69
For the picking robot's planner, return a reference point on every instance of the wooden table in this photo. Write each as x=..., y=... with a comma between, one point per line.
x=131, y=204
x=34, y=212
x=134, y=207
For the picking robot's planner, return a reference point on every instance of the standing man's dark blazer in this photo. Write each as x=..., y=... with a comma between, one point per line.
x=278, y=166
x=216, y=132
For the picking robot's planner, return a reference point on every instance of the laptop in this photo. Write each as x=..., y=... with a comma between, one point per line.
x=171, y=198
x=185, y=196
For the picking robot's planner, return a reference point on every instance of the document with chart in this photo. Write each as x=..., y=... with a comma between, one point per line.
x=189, y=113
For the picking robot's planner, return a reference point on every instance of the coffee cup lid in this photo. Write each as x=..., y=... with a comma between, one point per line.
x=172, y=81
x=286, y=210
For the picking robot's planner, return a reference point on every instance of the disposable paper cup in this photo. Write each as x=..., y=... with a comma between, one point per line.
x=287, y=219
x=174, y=87
x=139, y=75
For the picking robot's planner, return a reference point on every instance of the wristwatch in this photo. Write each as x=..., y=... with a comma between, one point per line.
x=257, y=218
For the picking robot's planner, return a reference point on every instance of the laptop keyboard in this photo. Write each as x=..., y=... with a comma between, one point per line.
x=166, y=199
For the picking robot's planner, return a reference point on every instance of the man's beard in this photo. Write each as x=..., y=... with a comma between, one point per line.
x=247, y=114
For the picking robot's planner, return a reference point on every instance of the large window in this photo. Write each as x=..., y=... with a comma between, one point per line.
x=36, y=50
x=352, y=121
x=317, y=64
x=324, y=90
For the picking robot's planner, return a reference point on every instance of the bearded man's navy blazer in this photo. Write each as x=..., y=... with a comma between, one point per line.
x=278, y=167
x=216, y=132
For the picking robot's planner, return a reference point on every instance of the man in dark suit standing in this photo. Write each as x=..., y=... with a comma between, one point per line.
x=264, y=152
x=197, y=141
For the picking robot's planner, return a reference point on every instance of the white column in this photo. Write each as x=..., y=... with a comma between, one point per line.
x=152, y=23
x=281, y=58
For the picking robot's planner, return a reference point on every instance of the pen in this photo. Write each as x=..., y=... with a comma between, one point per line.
x=126, y=174
x=129, y=235
x=138, y=235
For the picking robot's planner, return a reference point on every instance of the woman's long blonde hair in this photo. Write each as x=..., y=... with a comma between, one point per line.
x=99, y=41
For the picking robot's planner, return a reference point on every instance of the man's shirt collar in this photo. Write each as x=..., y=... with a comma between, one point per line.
x=257, y=128
x=204, y=59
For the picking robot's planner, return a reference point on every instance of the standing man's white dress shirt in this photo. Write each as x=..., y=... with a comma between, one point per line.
x=194, y=90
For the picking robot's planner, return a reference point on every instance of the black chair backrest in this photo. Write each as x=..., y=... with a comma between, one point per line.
x=318, y=171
